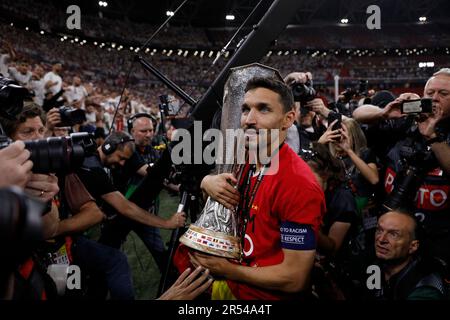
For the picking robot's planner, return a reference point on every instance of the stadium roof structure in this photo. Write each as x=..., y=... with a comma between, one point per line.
x=211, y=14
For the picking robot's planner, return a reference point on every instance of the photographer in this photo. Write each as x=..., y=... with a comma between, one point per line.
x=116, y=230
x=418, y=165
x=408, y=273
x=115, y=151
x=76, y=212
x=29, y=126
x=351, y=98
x=335, y=266
x=308, y=126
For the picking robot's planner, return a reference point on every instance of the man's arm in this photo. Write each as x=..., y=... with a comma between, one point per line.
x=132, y=211
x=331, y=243
x=142, y=171
x=370, y=114
x=88, y=216
x=291, y=275
x=428, y=130
x=219, y=188
x=442, y=152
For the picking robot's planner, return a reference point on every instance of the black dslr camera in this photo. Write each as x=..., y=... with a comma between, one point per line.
x=303, y=92
x=12, y=96
x=416, y=159
x=60, y=155
x=20, y=227
x=361, y=89
x=71, y=116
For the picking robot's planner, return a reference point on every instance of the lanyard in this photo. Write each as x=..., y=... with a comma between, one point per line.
x=249, y=197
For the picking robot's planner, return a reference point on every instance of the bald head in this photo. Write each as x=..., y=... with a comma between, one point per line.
x=396, y=236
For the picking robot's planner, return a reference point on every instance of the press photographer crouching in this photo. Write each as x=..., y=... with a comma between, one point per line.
x=407, y=271
x=29, y=126
x=128, y=178
x=418, y=165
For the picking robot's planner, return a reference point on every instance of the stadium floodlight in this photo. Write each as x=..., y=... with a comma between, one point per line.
x=230, y=17
x=169, y=13
x=426, y=64
x=344, y=20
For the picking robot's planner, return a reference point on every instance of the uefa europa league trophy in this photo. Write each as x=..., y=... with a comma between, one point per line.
x=216, y=231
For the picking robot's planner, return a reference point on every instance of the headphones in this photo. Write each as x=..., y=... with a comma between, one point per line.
x=136, y=116
x=108, y=147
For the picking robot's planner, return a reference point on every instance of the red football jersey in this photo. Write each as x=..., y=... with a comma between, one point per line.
x=288, y=193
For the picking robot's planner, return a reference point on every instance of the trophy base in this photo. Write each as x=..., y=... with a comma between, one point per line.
x=215, y=243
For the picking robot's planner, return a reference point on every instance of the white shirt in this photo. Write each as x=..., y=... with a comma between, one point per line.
x=292, y=138
x=38, y=86
x=22, y=79
x=4, y=64
x=53, y=77
x=76, y=94
x=91, y=118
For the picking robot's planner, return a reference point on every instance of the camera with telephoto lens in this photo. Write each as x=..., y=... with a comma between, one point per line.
x=20, y=229
x=416, y=159
x=361, y=89
x=60, y=155
x=303, y=92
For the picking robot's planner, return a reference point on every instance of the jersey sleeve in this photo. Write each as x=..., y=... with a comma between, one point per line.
x=302, y=203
